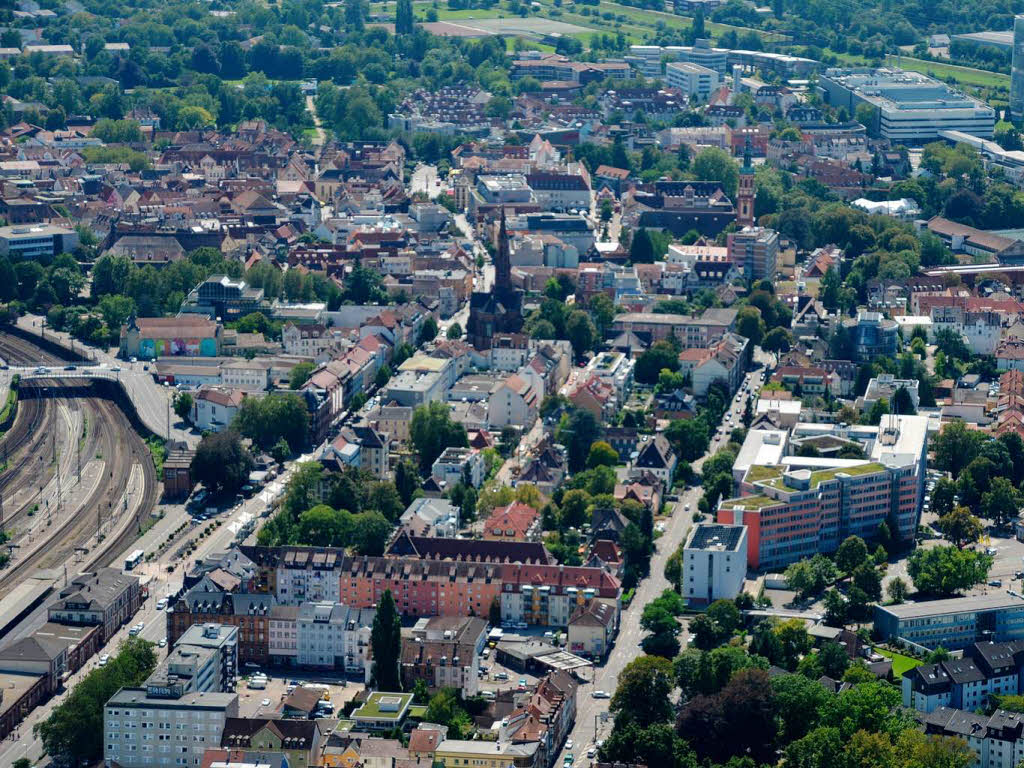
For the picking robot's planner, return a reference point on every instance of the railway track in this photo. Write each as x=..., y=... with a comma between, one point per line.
x=25, y=435
x=111, y=437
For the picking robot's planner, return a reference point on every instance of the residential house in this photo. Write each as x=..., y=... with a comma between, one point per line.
x=591, y=630
x=656, y=456
x=514, y=402
x=214, y=408
x=457, y=465
x=515, y=522
x=427, y=516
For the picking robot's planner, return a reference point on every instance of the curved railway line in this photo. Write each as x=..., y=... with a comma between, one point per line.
x=110, y=437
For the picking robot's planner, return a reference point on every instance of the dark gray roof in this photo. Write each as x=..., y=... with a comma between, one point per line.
x=705, y=535
x=963, y=671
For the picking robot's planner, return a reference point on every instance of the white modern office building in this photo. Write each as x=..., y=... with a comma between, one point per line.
x=143, y=728
x=714, y=563
x=34, y=241
x=695, y=81
x=909, y=108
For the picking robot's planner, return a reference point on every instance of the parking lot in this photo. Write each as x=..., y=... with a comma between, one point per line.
x=255, y=702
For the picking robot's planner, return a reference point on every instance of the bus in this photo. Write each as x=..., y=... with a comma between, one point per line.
x=133, y=559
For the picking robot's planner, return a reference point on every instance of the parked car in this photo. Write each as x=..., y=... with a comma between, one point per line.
x=601, y=695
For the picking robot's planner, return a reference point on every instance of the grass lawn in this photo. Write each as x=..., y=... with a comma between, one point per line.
x=966, y=75
x=445, y=14
x=651, y=19
x=900, y=663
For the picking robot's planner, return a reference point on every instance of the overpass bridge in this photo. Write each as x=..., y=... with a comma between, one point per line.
x=151, y=401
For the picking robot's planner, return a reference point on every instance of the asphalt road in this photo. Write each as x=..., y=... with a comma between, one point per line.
x=24, y=743
x=589, y=710
x=151, y=400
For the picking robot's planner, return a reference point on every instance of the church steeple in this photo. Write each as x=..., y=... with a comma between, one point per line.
x=502, y=260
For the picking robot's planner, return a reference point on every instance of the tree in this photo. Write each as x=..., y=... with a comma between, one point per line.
x=371, y=533
x=713, y=164
x=902, y=403
x=704, y=632
x=657, y=744
x=943, y=496
x=834, y=660
x=428, y=331
x=1001, y=503
x=406, y=481
x=960, y=527
x=386, y=643
x=817, y=749
x=577, y=432
x=403, y=18
x=660, y=356
x=581, y=333
x=445, y=709
x=641, y=249
x=738, y=721
x=810, y=577
x=74, y=730
x=300, y=375
x=265, y=420
x=829, y=288
x=355, y=15
x=956, y=446
x=183, y=405
x=321, y=525
x=602, y=310
x=454, y=330
x=642, y=693
x=939, y=654
x=873, y=707
x=432, y=430
x=663, y=628
x=798, y=701
x=750, y=324
x=777, y=340
x=896, y=589
x=222, y=464
x=851, y=553
x=382, y=377
x=945, y=571
x=602, y=455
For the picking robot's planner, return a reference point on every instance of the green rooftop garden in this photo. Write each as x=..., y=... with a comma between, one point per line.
x=824, y=475
x=384, y=706
x=758, y=472
x=751, y=502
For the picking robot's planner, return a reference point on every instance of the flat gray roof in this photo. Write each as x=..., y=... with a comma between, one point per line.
x=136, y=697
x=953, y=605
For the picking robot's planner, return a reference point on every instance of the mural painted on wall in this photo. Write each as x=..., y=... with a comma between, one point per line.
x=178, y=347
